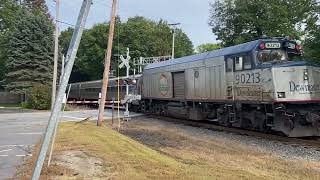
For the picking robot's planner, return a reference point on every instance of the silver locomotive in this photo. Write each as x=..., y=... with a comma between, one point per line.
x=260, y=85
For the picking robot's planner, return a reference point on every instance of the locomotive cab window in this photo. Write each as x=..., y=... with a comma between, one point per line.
x=238, y=63
x=242, y=63
x=247, y=63
x=229, y=64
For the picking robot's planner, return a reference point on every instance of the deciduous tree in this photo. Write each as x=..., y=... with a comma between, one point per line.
x=238, y=21
x=207, y=47
x=144, y=38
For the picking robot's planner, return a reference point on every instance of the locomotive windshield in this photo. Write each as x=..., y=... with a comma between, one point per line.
x=278, y=51
x=272, y=55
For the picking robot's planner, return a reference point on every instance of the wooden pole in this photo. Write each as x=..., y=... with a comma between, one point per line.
x=56, y=56
x=107, y=65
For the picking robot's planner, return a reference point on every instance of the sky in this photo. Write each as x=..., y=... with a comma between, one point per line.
x=192, y=14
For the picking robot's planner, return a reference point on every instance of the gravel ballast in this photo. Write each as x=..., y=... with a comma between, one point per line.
x=274, y=148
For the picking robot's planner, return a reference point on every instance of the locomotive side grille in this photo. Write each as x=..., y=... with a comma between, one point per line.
x=178, y=85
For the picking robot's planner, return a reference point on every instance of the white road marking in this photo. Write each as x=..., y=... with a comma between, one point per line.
x=30, y=133
x=1, y=107
x=6, y=150
x=23, y=155
x=15, y=145
x=71, y=117
x=18, y=155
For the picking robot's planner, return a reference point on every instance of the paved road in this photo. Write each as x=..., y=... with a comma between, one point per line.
x=19, y=132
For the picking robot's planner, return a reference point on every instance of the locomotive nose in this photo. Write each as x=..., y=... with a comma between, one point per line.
x=297, y=82
x=297, y=86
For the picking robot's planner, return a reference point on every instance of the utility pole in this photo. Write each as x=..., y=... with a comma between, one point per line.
x=56, y=55
x=107, y=63
x=173, y=37
x=56, y=111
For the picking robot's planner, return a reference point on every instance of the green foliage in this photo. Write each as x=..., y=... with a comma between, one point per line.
x=312, y=44
x=29, y=52
x=144, y=38
x=8, y=10
x=37, y=5
x=24, y=105
x=39, y=97
x=9, y=15
x=238, y=21
x=207, y=47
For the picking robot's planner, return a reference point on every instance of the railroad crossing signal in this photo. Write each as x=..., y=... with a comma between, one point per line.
x=125, y=62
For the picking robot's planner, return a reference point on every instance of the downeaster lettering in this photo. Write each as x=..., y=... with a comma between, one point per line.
x=303, y=87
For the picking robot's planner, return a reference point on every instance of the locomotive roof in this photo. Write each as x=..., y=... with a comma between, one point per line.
x=241, y=48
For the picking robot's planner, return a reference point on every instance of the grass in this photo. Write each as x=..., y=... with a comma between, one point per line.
x=125, y=158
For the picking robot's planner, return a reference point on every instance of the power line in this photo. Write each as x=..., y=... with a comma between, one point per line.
x=66, y=23
x=102, y=3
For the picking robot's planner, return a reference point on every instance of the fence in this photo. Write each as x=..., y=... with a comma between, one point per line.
x=10, y=98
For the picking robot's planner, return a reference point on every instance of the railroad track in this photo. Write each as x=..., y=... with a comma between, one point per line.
x=313, y=142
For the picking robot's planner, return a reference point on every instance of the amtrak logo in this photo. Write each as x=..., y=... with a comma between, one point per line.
x=164, y=86
x=304, y=87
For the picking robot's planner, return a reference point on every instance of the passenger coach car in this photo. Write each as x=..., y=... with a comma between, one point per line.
x=258, y=85
x=89, y=91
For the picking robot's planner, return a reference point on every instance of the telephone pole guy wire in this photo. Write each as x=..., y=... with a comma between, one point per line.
x=56, y=111
x=56, y=55
x=107, y=65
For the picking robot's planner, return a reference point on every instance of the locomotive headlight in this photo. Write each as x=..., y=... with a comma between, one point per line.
x=306, y=75
x=281, y=94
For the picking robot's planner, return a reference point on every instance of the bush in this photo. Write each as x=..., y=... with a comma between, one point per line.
x=39, y=97
x=24, y=105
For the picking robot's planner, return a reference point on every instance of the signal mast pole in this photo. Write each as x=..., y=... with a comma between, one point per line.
x=107, y=65
x=173, y=37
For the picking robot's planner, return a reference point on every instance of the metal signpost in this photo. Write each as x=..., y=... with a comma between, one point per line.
x=125, y=62
x=173, y=36
x=56, y=111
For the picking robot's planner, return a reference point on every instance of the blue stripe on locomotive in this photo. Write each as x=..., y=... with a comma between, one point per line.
x=241, y=48
x=238, y=49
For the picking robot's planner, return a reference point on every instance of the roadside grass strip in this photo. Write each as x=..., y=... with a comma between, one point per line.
x=124, y=158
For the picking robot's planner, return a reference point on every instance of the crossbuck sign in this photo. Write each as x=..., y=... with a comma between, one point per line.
x=125, y=62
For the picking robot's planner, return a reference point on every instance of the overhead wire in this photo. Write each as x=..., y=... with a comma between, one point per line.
x=102, y=3
x=66, y=23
